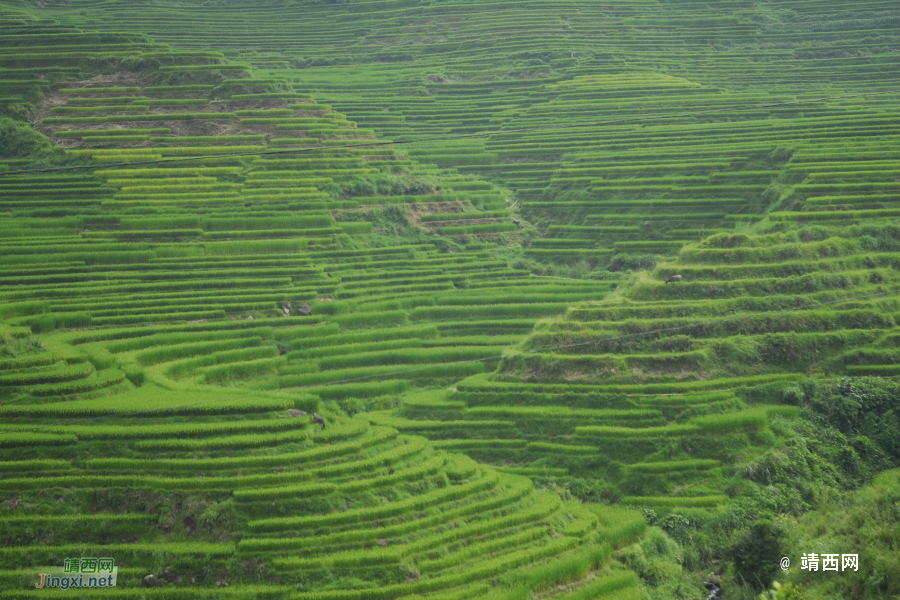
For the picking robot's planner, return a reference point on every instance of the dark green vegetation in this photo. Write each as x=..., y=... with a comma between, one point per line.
x=450, y=297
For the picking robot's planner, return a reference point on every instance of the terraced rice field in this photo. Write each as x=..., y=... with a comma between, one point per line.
x=633, y=377
x=510, y=386
x=194, y=315
x=722, y=80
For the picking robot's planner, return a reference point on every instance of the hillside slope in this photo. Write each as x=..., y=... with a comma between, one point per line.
x=172, y=330
x=378, y=278
x=720, y=74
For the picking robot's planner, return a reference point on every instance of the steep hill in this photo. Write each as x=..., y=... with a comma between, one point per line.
x=134, y=296
x=417, y=69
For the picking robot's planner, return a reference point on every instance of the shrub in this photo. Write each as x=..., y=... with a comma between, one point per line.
x=756, y=555
x=632, y=262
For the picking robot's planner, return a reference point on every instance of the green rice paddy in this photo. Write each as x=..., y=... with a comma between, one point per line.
x=517, y=403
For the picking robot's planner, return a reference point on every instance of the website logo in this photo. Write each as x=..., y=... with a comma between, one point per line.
x=81, y=572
